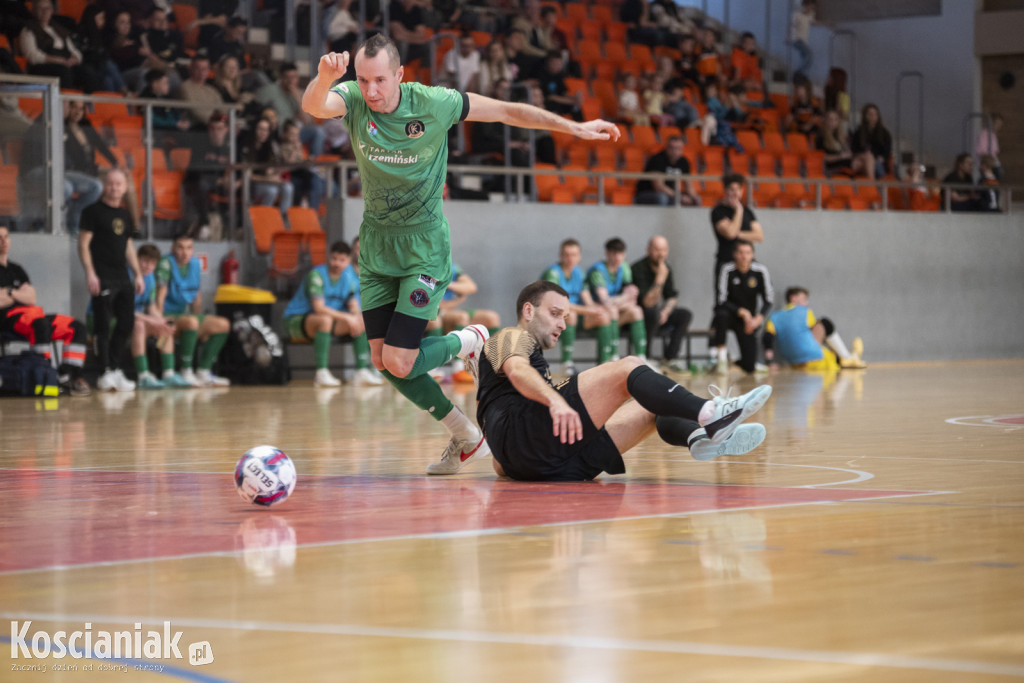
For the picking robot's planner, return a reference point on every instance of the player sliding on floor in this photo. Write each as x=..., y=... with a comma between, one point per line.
x=399, y=135
x=540, y=432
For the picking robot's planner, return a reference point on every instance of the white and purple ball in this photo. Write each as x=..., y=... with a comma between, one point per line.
x=265, y=476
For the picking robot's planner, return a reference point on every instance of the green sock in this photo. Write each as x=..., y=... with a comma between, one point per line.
x=433, y=332
x=424, y=392
x=141, y=365
x=568, y=342
x=212, y=347
x=189, y=338
x=167, y=362
x=605, y=337
x=361, y=347
x=322, y=349
x=638, y=336
x=434, y=352
x=491, y=331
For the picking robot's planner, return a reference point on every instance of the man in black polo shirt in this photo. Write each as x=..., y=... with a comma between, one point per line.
x=581, y=428
x=657, y=295
x=732, y=220
x=106, y=250
x=20, y=315
x=669, y=160
x=741, y=285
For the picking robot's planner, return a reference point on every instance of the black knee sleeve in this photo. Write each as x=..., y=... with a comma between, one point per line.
x=827, y=324
x=405, y=331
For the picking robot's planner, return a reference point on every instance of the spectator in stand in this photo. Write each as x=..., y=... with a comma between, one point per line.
x=800, y=33
x=95, y=56
x=14, y=124
x=526, y=65
x=285, y=96
x=130, y=56
x=682, y=113
x=746, y=69
x=230, y=40
x=741, y=284
x=556, y=93
x=717, y=128
x=527, y=21
x=672, y=26
x=50, y=50
x=988, y=198
x=641, y=28
x=213, y=16
x=654, y=99
x=408, y=29
x=961, y=199
x=669, y=160
x=709, y=62
x=165, y=45
x=268, y=185
x=207, y=173
x=462, y=65
x=688, y=61
x=871, y=144
x=228, y=80
x=804, y=115
x=81, y=175
x=629, y=101
x=342, y=28
x=988, y=142
x=831, y=139
x=546, y=36
x=495, y=67
x=308, y=187
x=836, y=96
x=197, y=90
x=666, y=69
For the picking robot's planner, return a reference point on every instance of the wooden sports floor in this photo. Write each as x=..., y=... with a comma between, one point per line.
x=877, y=535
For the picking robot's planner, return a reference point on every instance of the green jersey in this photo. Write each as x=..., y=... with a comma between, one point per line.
x=403, y=156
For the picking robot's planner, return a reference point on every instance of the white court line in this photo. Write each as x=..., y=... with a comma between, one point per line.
x=860, y=474
x=875, y=659
x=987, y=421
x=465, y=533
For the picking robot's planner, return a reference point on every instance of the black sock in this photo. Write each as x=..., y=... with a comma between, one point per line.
x=675, y=431
x=660, y=395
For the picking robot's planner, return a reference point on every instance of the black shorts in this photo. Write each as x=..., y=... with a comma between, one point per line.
x=520, y=435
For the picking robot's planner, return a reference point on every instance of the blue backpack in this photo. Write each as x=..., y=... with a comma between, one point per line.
x=27, y=374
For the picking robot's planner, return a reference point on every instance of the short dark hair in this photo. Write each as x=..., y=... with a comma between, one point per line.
x=534, y=292
x=730, y=178
x=615, y=244
x=154, y=75
x=341, y=247
x=183, y=236
x=743, y=243
x=150, y=251
x=546, y=10
x=568, y=243
x=286, y=66
x=794, y=292
x=378, y=42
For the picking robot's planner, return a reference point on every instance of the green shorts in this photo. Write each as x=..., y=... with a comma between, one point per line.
x=295, y=326
x=410, y=269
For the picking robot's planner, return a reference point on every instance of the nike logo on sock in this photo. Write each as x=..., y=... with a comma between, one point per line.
x=464, y=456
x=674, y=387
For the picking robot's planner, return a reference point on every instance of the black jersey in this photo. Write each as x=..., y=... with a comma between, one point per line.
x=738, y=290
x=495, y=393
x=726, y=246
x=12, y=276
x=111, y=228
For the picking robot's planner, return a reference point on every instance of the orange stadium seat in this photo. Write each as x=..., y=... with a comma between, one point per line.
x=266, y=222
x=9, y=205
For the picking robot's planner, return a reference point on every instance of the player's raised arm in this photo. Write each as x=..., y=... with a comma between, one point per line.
x=521, y=115
x=318, y=100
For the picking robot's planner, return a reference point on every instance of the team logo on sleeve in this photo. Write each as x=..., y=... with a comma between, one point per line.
x=415, y=129
x=371, y=128
x=419, y=298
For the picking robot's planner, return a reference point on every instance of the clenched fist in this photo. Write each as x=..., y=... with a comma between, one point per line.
x=333, y=65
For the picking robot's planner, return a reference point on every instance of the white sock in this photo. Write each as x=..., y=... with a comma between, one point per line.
x=723, y=354
x=835, y=342
x=460, y=426
x=706, y=413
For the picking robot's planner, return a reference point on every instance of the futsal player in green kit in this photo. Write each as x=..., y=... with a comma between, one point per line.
x=399, y=134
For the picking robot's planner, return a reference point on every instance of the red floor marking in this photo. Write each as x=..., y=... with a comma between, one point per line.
x=1012, y=420
x=71, y=518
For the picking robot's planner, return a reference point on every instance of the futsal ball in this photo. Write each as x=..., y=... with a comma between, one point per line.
x=265, y=476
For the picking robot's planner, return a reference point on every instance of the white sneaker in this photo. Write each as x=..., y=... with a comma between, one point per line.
x=730, y=412
x=122, y=383
x=189, y=375
x=760, y=368
x=324, y=378
x=459, y=454
x=472, y=338
x=743, y=440
x=208, y=379
x=367, y=378
x=107, y=381
x=722, y=367
x=147, y=380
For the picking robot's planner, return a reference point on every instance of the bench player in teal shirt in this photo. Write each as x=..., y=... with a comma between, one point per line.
x=179, y=299
x=569, y=276
x=611, y=285
x=399, y=134
x=326, y=303
x=149, y=323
